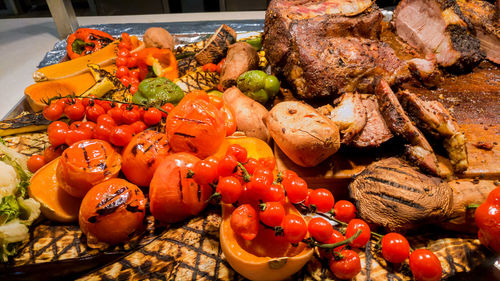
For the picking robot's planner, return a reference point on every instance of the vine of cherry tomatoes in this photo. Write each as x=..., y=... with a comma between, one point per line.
x=260, y=199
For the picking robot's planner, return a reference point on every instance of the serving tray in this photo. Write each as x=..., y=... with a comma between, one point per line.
x=191, y=250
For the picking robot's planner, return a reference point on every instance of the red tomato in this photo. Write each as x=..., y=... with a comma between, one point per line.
x=227, y=165
x=487, y=218
x=88, y=125
x=173, y=195
x=106, y=120
x=272, y=213
x=237, y=151
x=245, y=221
x=121, y=135
x=334, y=238
x=322, y=199
x=94, y=111
x=131, y=116
x=294, y=228
x=123, y=53
x=75, y=111
x=53, y=112
x=125, y=81
x=35, y=162
x=102, y=132
x=267, y=162
x=320, y=229
x=121, y=61
x=395, y=247
x=121, y=71
x=51, y=152
x=117, y=114
x=347, y=267
x=364, y=236
x=205, y=172
x=131, y=63
x=105, y=104
x=152, y=116
x=138, y=126
x=57, y=125
x=195, y=126
x=276, y=193
x=134, y=73
x=344, y=211
x=251, y=165
x=296, y=189
x=124, y=44
x=425, y=266
x=57, y=133
x=230, y=189
x=76, y=135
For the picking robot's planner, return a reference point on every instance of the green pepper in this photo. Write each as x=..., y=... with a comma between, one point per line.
x=259, y=86
x=256, y=42
x=157, y=92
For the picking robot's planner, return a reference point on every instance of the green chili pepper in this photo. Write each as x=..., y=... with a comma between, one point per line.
x=158, y=91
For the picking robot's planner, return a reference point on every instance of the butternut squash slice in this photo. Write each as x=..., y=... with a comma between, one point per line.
x=77, y=85
x=104, y=56
x=55, y=203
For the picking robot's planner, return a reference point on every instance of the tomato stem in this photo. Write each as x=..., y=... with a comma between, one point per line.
x=246, y=175
x=340, y=243
x=331, y=217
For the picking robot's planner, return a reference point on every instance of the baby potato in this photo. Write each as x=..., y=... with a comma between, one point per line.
x=303, y=134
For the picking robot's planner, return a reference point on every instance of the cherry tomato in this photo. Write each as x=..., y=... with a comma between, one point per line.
x=125, y=81
x=53, y=112
x=205, y=172
x=131, y=63
x=131, y=116
x=35, y=162
x=320, y=229
x=276, y=193
x=322, y=199
x=259, y=186
x=57, y=125
x=134, y=81
x=288, y=175
x=121, y=71
x=364, y=236
x=123, y=53
x=106, y=119
x=152, y=116
x=76, y=135
x=395, y=247
x=220, y=65
x=57, y=136
x=227, y=165
x=94, y=111
x=334, y=238
x=102, y=132
x=138, y=126
x=238, y=151
x=245, y=221
x=487, y=217
x=344, y=211
x=124, y=45
x=425, y=266
x=296, y=189
x=230, y=189
x=121, y=61
x=347, y=267
x=294, y=228
x=272, y=213
x=267, y=162
x=75, y=111
x=75, y=125
x=121, y=135
x=251, y=165
x=51, y=152
x=88, y=125
x=117, y=114
x=229, y=120
x=167, y=107
x=105, y=104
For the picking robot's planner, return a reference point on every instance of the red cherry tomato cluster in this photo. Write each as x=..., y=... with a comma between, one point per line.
x=104, y=120
x=127, y=64
x=212, y=67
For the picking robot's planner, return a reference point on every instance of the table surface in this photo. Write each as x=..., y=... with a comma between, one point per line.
x=25, y=41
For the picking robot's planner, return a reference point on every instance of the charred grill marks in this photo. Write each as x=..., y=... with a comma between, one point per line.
x=399, y=200
x=393, y=184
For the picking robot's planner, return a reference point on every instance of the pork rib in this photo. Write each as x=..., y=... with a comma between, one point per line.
x=433, y=118
x=419, y=150
x=438, y=27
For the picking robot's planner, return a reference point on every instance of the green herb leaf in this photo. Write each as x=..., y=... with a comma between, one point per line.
x=9, y=209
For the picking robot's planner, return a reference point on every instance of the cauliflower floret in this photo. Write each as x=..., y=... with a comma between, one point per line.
x=8, y=179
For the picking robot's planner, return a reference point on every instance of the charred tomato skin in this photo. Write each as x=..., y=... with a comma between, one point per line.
x=112, y=211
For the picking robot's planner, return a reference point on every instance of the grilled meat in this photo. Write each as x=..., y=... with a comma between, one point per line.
x=432, y=117
x=419, y=150
x=375, y=132
x=349, y=114
x=438, y=27
x=425, y=71
x=323, y=51
x=487, y=25
x=391, y=194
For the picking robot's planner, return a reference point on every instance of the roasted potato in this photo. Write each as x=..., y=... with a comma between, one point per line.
x=157, y=37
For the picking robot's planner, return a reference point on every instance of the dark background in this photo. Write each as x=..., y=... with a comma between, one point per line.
x=38, y=8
